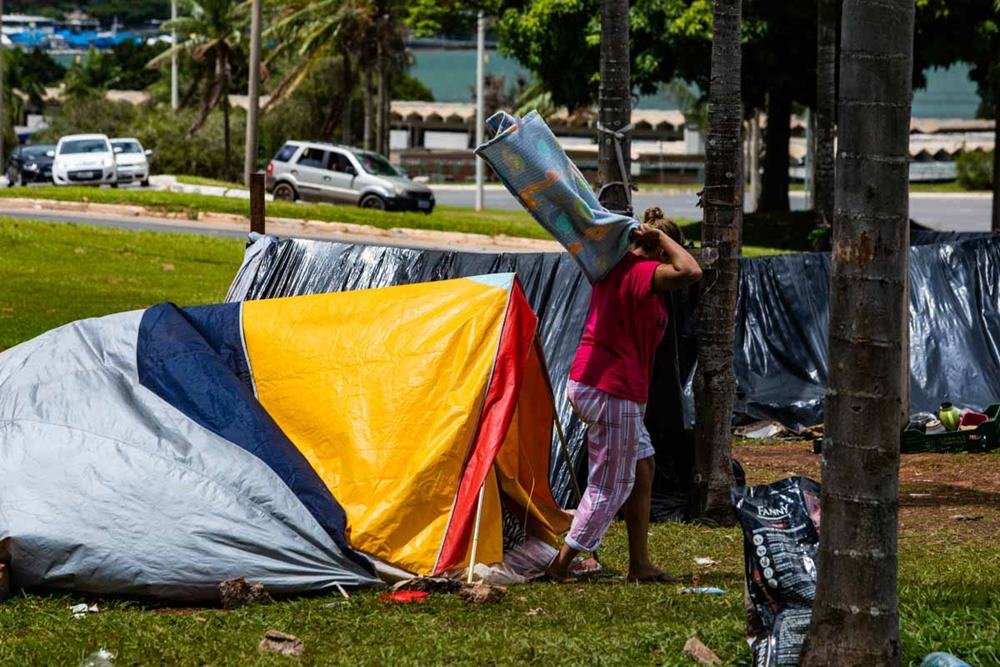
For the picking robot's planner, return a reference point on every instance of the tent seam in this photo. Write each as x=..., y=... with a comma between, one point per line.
x=475, y=435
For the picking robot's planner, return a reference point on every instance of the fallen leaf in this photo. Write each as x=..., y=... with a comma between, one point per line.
x=697, y=651
x=282, y=644
x=536, y=611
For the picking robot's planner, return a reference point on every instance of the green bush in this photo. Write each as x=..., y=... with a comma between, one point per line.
x=158, y=128
x=975, y=170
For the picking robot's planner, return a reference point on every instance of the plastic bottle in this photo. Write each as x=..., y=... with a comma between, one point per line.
x=102, y=658
x=949, y=416
x=942, y=659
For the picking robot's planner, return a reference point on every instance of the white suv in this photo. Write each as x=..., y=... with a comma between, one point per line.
x=84, y=159
x=132, y=161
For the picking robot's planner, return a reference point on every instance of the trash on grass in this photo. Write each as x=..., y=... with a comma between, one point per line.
x=282, y=644
x=761, y=430
x=429, y=585
x=82, y=609
x=780, y=524
x=403, y=597
x=967, y=517
x=703, y=590
x=695, y=649
x=99, y=658
x=702, y=560
x=238, y=592
x=482, y=593
x=942, y=659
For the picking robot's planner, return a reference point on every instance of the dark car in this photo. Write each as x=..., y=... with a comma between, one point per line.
x=31, y=164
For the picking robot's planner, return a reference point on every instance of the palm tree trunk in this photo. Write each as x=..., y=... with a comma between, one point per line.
x=347, y=90
x=615, y=104
x=369, y=111
x=774, y=189
x=715, y=382
x=223, y=62
x=382, y=130
x=855, y=617
x=827, y=13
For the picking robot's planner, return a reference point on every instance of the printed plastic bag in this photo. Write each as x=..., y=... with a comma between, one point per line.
x=780, y=524
x=532, y=164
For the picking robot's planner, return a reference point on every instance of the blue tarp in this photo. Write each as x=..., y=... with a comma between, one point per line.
x=137, y=460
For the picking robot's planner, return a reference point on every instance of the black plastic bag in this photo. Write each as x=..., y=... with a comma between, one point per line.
x=780, y=524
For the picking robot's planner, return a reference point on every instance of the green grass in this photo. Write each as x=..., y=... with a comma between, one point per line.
x=54, y=273
x=948, y=600
x=201, y=180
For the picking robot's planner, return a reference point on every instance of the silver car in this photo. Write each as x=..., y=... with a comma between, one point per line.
x=343, y=175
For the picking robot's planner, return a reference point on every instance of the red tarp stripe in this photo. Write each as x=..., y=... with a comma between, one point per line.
x=498, y=411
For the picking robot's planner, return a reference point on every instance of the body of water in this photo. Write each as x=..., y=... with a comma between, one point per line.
x=451, y=76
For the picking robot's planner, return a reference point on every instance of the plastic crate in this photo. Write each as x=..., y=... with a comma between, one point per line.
x=983, y=438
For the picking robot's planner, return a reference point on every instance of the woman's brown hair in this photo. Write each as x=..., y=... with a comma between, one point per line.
x=654, y=216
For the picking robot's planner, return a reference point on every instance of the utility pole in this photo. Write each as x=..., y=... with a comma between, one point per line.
x=480, y=103
x=615, y=113
x=253, y=96
x=175, y=94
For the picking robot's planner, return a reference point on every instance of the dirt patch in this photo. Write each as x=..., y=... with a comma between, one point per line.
x=954, y=495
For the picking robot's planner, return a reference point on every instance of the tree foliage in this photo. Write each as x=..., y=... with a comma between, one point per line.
x=553, y=37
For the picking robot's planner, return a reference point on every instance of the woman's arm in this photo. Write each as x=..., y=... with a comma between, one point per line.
x=678, y=269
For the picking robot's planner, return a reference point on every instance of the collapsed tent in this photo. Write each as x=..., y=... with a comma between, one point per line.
x=160, y=452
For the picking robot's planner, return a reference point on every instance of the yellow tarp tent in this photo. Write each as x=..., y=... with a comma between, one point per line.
x=408, y=401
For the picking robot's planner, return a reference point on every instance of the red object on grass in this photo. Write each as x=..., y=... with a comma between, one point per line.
x=403, y=597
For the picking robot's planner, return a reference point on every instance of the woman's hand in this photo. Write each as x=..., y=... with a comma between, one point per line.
x=647, y=236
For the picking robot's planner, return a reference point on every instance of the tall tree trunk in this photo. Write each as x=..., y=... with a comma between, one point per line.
x=995, y=219
x=385, y=102
x=715, y=382
x=615, y=104
x=755, y=160
x=382, y=130
x=368, y=100
x=347, y=89
x=827, y=14
x=774, y=189
x=855, y=617
x=227, y=137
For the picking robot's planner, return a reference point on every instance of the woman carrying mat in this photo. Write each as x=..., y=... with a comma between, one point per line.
x=609, y=386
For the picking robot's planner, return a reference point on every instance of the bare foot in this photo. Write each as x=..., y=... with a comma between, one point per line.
x=650, y=575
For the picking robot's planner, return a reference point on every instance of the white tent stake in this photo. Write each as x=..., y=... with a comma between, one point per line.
x=475, y=532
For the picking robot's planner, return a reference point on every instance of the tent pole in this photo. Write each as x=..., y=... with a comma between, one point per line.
x=475, y=532
x=563, y=447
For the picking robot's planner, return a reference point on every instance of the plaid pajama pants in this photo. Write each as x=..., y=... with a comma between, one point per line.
x=616, y=440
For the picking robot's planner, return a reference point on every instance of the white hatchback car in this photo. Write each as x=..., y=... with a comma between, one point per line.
x=132, y=161
x=84, y=159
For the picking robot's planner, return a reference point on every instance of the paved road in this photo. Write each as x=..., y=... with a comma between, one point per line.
x=946, y=211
